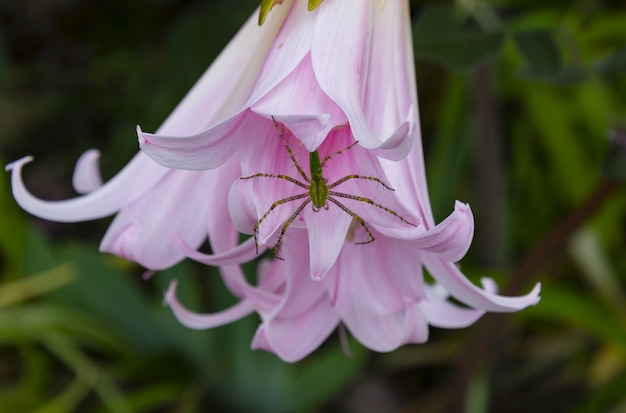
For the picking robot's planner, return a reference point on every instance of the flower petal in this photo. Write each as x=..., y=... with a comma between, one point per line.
x=207, y=149
x=86, y=176
x=443, y=314
x=300, y=290
x=451, y=278
x=310, y=119
x=293, y=338
x=345, y=73
x=128, y=185
x=242, y=253
x=387, y=332
x=180, y=211
x=451, y=238
x=187, y=144
x=203, y=321
x=327, y=234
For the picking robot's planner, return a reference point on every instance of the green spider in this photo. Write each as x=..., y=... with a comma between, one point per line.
x=319, y=193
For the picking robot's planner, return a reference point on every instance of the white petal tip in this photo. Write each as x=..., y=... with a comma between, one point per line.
x=170, y=293
x=86, y=177
x=18, y=163
x=147, y=275
x=140, y=136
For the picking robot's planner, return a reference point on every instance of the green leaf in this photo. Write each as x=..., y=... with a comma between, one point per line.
x=544, y=59
x=540, y=51
x=440, y=34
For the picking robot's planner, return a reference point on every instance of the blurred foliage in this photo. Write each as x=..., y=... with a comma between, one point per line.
x=80, y=331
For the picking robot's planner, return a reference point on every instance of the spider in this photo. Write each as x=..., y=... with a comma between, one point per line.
x=318, y=193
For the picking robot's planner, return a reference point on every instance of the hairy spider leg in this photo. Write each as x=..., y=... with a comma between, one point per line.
x=274, y=205
x=285, y=177
x=357, y=218
x=346, y=178
x=293, y=158
x=369, y=201
x=332, y=155
x=317, y=176
x=286, y=224
x=368, y=178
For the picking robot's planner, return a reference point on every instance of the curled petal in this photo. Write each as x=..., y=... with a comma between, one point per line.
x=119, y=191
x=441, y=313
x=86, y=176
x=451, y=278
x=311, y=130
x=452, y=237
x=204, y=150
x=238, y=255
x=203, y=321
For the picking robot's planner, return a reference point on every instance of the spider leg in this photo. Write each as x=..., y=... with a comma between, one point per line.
x=293, y=158
x=369, y=178
x=285, y=177
x=272, y=207
x=369, y=201
x=284, y=228
x=332, y=155
x=357, y=218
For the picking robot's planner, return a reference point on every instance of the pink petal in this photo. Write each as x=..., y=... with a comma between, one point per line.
x=362, y=162
x=310, y=119
x=250, y=199
x=86, y=176
x=127, y=186
x=300, y=290
x=441, y=313
x=207, y=149
x=289, y=47
x=204, y=133
x=327, y=234
x=387, y=332
x=408, y=178
x=221, y=91
x=378, y=276
x=344, y=71
x=379, y=292
x=293, y=338
x=242, y=253
x=263, y=299
x=146, y=231
x=203, y=321
x=451, y=238
x=451, y=278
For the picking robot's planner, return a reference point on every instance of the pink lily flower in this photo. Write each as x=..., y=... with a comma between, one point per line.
x=376, y=290
x=322, y=96
x=332, y=77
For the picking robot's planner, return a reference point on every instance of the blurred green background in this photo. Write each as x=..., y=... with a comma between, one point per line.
x=523, y=110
